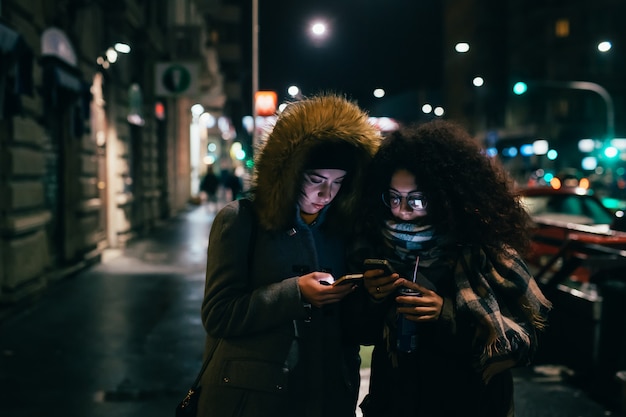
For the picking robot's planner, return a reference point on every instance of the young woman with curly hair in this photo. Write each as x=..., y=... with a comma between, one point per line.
x=445, y=216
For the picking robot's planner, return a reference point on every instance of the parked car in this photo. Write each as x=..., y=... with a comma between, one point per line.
x=570, y=215
x=578, y=256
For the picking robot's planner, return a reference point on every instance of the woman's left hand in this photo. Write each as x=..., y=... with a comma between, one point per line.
x=426, y=307
x=378, y=284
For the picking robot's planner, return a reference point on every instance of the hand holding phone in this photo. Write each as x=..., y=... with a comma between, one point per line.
x=348, y=279
x=379, y=286
x=383, y=264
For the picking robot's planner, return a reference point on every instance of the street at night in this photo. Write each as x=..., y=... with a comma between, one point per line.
x=125, y=125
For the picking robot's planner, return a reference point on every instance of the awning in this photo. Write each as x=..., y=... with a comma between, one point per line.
x=8, y=39
x=63, y=85
x=59, y=77
x=16, y=60
x=68, y=81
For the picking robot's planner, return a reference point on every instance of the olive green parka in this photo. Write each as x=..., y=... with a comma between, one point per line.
x=271, y=354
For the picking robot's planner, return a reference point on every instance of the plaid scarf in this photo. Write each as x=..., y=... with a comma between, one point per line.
x=501, y=295
x=407, y=240
x=506, y=302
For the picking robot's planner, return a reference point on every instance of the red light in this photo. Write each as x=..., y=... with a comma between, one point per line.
x=159, y=110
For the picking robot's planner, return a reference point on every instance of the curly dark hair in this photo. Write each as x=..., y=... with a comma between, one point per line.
x=470, y=196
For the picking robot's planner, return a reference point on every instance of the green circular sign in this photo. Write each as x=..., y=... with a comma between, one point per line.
x=176, y=78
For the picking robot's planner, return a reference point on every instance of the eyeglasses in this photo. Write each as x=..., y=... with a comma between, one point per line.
x=416, y=201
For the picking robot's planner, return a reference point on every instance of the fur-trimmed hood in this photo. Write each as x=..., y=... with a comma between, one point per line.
x=299, y=129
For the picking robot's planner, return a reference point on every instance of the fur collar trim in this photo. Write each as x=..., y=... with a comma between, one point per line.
x=280, y=159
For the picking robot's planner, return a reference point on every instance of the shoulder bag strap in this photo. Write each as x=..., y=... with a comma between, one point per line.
x=248, y=203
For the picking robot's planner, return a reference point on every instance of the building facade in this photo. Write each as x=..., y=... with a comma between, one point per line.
x=574, y=87
x=95, y=119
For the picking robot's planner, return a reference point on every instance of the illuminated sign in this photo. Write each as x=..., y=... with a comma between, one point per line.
x=265, y=103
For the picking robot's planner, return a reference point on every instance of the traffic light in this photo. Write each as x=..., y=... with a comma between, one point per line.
x=611, y=152
x=520, y=88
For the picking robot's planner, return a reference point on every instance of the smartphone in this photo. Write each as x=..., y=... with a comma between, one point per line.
x=348, y=279
x=379, y=264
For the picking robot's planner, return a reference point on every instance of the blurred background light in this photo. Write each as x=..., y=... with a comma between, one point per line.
x=584, y=183
x=619, y=143
x=520, y=88
x=462, y=47
x=293, y=91
x=207, y=120
x=319, y=30
x=111, y=55
x=511, y=152
x=604, y=46
x=540, y=147
x=526, y=149
x=197, y=110
x=589, y=163
x=122, y=48
x=611, y=152
x=552, y=154
x=555, y=183
x=248, y=123
x=586, y=145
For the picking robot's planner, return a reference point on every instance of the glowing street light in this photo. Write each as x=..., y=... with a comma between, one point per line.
x=462, y=47
x=319, y=32
x=111, y=55
x=604, y=46
x=520, y=88
x=318, y=29
x=122, y=48
x=293, y=91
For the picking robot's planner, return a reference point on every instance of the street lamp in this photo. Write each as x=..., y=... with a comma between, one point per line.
x=521, y=87
x=604, y=46
x=318, y=29
x=462, y=47
x=255, y=67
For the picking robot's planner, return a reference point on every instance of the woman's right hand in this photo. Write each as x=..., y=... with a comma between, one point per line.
x=379, y=285
x=316, y=289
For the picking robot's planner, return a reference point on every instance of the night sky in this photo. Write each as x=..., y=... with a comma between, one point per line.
x=392, y=44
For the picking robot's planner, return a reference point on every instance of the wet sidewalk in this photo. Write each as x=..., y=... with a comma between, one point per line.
x=124, y=338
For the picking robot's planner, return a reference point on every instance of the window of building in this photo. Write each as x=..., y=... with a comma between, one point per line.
x=561, y=28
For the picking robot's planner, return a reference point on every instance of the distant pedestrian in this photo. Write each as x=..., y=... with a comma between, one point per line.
x=209, y=185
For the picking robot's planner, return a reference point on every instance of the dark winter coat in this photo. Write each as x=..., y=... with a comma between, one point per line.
x=273, y=355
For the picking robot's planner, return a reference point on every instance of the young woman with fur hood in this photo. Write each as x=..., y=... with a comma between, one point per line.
x=278, y=336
